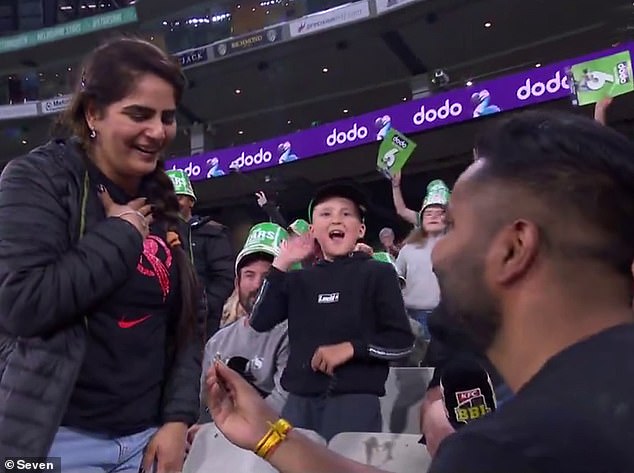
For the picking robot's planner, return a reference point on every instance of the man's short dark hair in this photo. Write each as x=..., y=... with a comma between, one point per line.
x=252, y=258
x=577, y=166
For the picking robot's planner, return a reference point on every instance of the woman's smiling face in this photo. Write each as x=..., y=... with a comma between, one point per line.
x=132, y=132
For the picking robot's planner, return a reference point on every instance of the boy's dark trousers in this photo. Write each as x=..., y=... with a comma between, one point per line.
x=329, y=416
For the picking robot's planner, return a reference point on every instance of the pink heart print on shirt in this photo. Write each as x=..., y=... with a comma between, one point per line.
x=151, y=265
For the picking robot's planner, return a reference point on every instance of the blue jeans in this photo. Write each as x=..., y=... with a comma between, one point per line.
x=333, y=415
x=88, y=452
x=420, y=316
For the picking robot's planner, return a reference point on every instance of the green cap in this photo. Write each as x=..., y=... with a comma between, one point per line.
x=300, y=227
x=263, y=238
x=180, y=181
x=437, y=194
x=385, y=257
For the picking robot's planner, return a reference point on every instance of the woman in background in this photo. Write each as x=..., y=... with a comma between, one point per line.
x=421, y=293
x=100, y=327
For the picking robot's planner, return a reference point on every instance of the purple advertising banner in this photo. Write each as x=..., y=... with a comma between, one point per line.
x=502, y=94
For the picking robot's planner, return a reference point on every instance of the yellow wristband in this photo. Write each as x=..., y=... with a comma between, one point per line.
x=273, y=441
x=276, y=434
x=281, y=427
x=262, y=441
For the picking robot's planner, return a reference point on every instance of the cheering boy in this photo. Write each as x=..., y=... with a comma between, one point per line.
x=346, y=320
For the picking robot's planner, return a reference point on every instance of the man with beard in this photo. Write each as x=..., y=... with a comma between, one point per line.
x=449, y=344
x=536, y=267
x=260, y=357
x=543, y=288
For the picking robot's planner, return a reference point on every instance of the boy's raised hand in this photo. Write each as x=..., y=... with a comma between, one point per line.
x=364, y=248
x=294, y=250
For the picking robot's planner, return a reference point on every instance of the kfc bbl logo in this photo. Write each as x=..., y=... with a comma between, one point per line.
x=471, y=405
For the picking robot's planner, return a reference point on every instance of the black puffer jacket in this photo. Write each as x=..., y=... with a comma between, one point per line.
x=50, y=279
x=213, y=258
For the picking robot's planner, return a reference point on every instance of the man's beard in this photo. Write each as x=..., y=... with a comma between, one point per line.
x=247, y=300
x=469, y=304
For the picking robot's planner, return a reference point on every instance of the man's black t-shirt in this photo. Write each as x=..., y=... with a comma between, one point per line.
x=575, y=415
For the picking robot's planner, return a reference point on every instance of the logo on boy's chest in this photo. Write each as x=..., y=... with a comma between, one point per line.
x=331, y=298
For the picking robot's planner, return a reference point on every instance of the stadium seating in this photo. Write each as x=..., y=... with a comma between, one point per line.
x=398, y=453
x=405, y=387
x=212, y=452
x=404, y=392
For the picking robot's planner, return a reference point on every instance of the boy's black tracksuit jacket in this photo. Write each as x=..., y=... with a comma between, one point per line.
x=351, y=299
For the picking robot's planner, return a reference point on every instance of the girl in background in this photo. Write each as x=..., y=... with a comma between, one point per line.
x=422, y=293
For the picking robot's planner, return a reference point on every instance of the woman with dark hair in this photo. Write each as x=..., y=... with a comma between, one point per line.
x=101, y=333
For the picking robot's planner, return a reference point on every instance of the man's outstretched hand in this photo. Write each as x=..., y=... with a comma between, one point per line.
x=236, y=407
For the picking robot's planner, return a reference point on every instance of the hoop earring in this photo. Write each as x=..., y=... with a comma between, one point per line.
x=93, y=134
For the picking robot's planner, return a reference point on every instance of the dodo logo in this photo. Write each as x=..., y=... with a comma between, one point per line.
x=355, y=133
x=430, y=115
x=192, y=170
x=248, y=160
x=537, y=89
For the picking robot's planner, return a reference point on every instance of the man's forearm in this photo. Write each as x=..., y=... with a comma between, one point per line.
x=433, y=394
x=298, y=454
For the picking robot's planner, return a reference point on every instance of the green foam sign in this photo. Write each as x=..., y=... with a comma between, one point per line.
x=394, y=151
x=608, y=76
x=300, y=226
